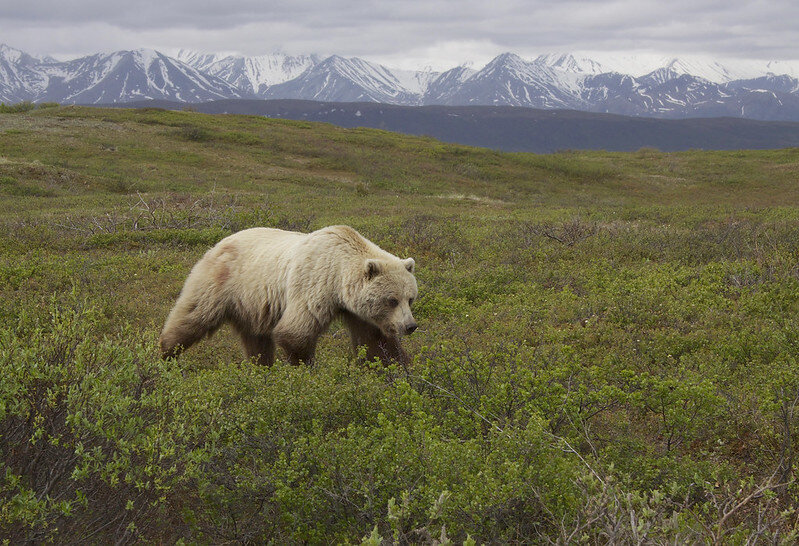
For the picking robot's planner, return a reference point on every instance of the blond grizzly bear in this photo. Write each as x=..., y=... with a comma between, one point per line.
x=285, y=288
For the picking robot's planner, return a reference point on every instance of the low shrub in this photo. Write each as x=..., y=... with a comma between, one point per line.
x=91, y=450
x=17, y=108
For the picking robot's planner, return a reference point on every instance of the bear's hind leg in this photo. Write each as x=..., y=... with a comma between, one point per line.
x=176, y=338
x=260, y=346
x=187, y=324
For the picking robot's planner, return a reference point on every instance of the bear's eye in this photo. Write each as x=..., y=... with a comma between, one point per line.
x=393, y=302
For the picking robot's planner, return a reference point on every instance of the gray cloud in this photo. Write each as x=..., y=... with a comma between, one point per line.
x=444, y=30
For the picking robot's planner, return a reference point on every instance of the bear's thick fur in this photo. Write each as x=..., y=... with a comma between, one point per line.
x=285, y=288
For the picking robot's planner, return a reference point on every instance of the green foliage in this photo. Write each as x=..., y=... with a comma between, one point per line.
x=239, y=137
x=24, y=106
x=607, y=350
x=194, y=133
x=183, y=237
x=87, y=433
x=19, y=107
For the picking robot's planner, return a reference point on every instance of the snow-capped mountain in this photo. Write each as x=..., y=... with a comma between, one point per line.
x=337, y=79
x=416, y=81
x=131, y=75
x=781, y=84
x=20, y=75
x=252, y=74
x=510, y=80
x=440, y=90
x=708, y=68
x=108, y=78
x=197, y=59
x=571, y=63
x=624, y=84
x=668, y=91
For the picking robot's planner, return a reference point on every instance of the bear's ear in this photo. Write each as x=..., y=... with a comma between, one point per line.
x=372, y=269
x=410, y=265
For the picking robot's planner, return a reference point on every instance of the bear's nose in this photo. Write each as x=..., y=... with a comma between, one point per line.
x=410, y=328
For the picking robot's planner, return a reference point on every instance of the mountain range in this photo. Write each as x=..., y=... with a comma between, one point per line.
x=666, y=88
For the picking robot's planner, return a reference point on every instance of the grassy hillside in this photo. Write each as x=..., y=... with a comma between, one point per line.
x=607, y=348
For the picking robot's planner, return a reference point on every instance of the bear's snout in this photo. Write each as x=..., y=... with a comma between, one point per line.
x=411, y=328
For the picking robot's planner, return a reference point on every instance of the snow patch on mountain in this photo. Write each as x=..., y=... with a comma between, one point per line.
x=10, y=54
x=569, y=62
x=254, y=74
x=197, y=59
x=415, y=81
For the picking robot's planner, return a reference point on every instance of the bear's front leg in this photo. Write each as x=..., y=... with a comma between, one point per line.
x=377, y=344
x=297, y=333
x=298, y=355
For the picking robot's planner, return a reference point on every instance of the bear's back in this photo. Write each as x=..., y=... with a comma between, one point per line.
x=348, y=241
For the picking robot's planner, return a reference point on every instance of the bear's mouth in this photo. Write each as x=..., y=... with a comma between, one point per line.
x=389, y=332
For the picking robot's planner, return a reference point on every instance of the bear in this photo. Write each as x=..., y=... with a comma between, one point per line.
x=284, y=288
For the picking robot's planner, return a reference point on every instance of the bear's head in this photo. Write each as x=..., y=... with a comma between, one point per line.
x=387, y=294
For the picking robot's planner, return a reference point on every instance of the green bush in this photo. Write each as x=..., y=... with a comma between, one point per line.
x=238, y=137
x=194, y=133
x=24, y=106
x=16, y=108
x=90, y=447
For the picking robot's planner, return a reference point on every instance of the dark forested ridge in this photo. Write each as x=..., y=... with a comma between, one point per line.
x=518, y=129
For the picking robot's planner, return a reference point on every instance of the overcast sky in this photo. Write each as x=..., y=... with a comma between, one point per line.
x=407, y=33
